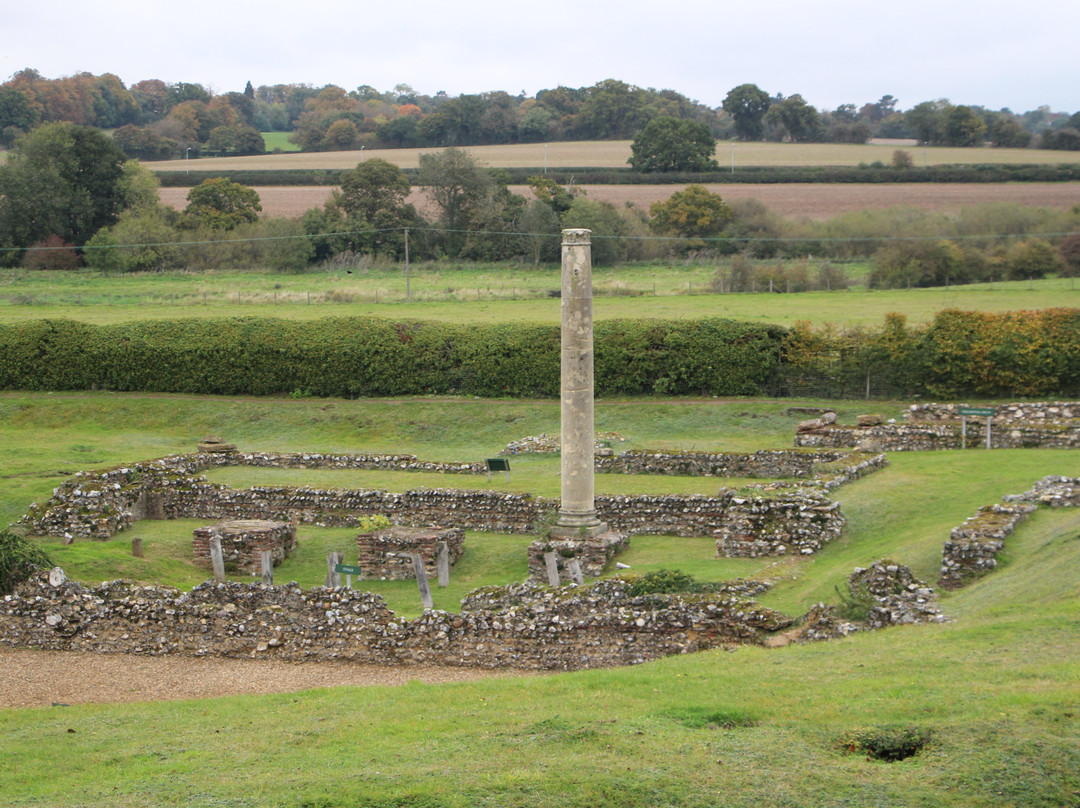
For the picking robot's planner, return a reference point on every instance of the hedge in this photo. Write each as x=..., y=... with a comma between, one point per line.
x=354, y=357
x=958, y=354
x=584, y=175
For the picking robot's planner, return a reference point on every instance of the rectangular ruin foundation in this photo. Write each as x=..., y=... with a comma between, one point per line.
x=243, y=542
x=592, y=554
x=386, y=555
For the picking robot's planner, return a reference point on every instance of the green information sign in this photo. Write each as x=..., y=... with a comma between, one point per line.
x=346, y=569
x=984, y=411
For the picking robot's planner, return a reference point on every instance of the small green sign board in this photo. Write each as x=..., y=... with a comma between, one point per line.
x=346, y=569
x=984, y=411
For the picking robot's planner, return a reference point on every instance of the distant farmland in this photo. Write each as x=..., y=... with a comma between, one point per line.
x=815, y=201
x=614, y=154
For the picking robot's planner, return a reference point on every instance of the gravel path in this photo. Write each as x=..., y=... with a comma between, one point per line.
x=44, y=678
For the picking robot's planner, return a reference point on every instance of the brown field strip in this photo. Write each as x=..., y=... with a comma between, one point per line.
x=815, y=201
x=615, y=153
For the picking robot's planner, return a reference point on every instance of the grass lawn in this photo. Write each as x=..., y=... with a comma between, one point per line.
x=484, y=294
x=278, y=141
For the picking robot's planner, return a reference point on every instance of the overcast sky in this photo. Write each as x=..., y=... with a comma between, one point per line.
x=991, y=53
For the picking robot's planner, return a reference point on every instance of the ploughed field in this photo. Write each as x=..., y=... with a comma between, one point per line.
x=796, y=200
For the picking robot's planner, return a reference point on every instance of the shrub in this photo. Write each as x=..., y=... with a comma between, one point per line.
x=668, y=582
x=19, y=558
x=52, y=253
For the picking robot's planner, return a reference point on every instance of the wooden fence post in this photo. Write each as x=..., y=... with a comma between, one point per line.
x=332, y=576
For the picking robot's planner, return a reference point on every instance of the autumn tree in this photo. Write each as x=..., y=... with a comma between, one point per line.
x=668, y=144
x=694, y=212
x=961, y=126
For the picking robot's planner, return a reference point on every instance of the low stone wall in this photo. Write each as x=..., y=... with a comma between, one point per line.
x=243, y=542
x=544, y=629
x=1030, y=412
x=772, y=464
x=890, y=596
x=932, y=427
x=1055, y=491
x=593, y=555
x=99, y=505
x=386, y=555
x=772, y=528
x=972, y=548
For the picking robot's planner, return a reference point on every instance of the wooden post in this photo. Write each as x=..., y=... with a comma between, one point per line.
x=421, y=581
x=552, y=564
x=267, y=560
x=442, y=558
x=332, y=576
x=575, y=571
x=136, y=548
x=989, y=418
x=217, y=560
x=963, y=431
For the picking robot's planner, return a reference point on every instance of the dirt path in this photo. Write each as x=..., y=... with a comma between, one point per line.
x=43, y=678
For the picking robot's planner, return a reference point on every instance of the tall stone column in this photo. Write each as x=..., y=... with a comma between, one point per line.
x=577, y=515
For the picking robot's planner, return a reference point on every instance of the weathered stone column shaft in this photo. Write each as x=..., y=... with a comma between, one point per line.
x=578, y=509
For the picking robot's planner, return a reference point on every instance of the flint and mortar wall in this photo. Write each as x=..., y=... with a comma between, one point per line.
x=972, y=548
x=243, y=542
x=99, y=505
x=387, y=554
x=1055, y=491
x=592, y=554
x=518, y=627
x=768, y=464
x=931, y=427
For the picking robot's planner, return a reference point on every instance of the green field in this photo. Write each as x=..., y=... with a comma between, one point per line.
x=494, y=293
x=279, y=141
x=996, y=687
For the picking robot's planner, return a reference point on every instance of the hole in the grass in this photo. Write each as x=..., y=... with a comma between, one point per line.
x=889, y=743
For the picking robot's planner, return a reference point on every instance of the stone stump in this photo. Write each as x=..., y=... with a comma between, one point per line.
x=592, y=554
x=387, y=555
x=243, y=542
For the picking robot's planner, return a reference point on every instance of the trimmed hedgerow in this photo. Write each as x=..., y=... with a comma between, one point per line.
x=354, y=357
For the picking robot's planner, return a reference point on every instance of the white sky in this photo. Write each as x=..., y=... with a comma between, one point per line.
x=991, y=53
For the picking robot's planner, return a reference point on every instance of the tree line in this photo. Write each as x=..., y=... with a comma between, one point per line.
x=70, y=197
x=155, y=120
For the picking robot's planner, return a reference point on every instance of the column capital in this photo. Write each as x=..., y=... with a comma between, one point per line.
x=576, y=236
